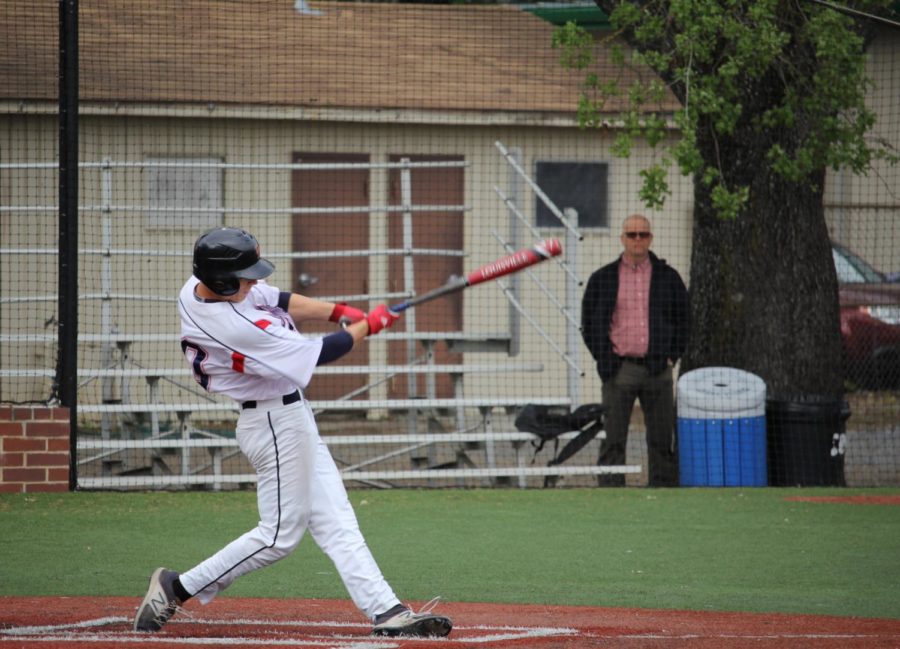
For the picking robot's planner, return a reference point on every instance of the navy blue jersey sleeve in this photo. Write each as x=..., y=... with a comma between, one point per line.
x=334, y=346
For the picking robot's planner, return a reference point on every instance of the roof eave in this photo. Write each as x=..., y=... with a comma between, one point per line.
x=305, y=114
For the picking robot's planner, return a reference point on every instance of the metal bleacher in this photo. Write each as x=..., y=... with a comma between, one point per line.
x=170, y=433
x=168, y=453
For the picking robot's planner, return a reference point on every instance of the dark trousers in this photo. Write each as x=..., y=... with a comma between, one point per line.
x=633, y=382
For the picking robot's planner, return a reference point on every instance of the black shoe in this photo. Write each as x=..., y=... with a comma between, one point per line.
x=401, y=621
x=160, y=602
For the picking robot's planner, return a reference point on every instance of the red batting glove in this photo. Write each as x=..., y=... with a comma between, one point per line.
x=345, y=315
x=380, y=318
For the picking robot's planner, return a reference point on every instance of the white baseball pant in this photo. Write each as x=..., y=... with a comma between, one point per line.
x=299, y=488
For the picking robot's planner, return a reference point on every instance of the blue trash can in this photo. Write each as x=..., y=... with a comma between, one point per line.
x=721, y=428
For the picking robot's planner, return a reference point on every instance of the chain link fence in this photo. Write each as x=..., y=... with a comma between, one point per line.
x=374, y=150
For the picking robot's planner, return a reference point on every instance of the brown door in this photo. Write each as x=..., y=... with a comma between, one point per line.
x=328, y=277
x=432, y=230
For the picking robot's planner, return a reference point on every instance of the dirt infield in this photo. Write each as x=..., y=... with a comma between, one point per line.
x=104, y=623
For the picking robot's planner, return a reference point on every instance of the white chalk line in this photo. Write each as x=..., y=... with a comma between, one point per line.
x=70, y=632
x=333, y=643
x=755, y=636
x=50, y=628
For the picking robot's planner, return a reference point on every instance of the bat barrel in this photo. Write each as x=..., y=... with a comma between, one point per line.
x=513, y=263
x=549, y=248
x=516, y=261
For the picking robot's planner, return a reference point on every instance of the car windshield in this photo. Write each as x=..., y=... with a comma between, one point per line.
x=852, y=269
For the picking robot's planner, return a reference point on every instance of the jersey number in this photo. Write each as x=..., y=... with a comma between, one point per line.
x=199, y=355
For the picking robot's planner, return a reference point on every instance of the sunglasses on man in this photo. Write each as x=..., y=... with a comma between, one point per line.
x=638, y=235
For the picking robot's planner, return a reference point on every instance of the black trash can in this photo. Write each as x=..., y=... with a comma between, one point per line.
x=805, y=440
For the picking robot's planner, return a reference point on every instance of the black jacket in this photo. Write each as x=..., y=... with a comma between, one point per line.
x=669, y=316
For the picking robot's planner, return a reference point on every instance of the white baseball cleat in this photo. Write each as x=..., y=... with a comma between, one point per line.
x=160, y=602
x=401, y=621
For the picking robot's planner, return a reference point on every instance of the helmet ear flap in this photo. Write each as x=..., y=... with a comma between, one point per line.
x=224, y=286
x=218, y=283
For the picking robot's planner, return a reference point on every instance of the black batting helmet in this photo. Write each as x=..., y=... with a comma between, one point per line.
x=222, y=256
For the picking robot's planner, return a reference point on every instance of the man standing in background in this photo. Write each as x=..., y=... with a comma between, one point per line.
x=635, y=321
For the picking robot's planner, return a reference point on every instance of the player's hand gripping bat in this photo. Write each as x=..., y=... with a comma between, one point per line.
x=513, y=263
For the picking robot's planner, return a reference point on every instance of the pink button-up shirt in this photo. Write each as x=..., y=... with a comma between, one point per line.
x=630, y=327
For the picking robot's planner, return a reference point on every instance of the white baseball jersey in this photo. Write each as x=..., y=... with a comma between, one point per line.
x=247, y=350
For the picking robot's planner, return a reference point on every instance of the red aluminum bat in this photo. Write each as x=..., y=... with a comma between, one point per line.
x=513, y=263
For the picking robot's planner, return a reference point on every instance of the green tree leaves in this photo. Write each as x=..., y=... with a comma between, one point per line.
x=781, y=72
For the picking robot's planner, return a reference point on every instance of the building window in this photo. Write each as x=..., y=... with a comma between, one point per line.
x=579, y=185
x=183, y=193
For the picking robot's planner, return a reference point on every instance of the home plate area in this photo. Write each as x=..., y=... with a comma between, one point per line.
x=102, y=623
x=269, y=633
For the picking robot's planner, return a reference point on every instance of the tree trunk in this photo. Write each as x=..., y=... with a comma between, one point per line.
x=763, y=286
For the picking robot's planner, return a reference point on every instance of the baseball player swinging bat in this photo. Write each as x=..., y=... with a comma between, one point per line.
x=513, y=263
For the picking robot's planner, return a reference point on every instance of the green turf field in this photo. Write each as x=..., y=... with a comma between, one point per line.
x=704, y=549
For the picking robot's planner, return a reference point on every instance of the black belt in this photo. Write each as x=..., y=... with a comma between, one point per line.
x=286, y=400
x=637, y=360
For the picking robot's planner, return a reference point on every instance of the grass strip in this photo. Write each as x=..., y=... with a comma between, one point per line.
x=698, y=549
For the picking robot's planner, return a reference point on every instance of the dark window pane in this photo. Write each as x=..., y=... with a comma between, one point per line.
x=579, y=185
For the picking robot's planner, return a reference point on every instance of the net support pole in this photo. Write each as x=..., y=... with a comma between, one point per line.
x=573, y=302
x=515, y=200
x=66, y=384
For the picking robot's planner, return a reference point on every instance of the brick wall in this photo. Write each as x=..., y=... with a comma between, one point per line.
x=34, y=449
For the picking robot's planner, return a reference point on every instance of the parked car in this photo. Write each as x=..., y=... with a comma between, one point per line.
x=870, y=321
